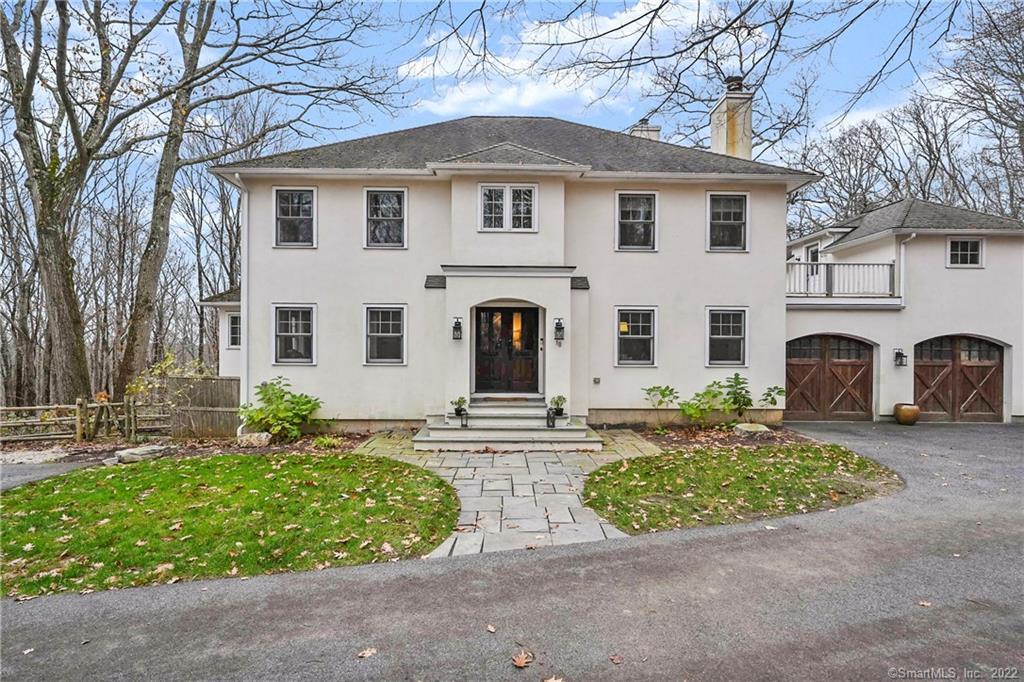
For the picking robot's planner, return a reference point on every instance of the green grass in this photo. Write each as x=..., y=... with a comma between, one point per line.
x=230, y=515
x=712, y=486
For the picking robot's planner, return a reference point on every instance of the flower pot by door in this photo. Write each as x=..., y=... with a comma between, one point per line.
x=906, y=413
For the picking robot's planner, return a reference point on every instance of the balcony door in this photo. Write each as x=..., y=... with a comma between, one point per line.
x=507, y=350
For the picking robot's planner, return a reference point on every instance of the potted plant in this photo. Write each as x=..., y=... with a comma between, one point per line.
x=906, y=414
x=460, y=405
x=558, y=405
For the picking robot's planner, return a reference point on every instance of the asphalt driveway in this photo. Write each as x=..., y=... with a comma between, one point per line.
x=928, y=578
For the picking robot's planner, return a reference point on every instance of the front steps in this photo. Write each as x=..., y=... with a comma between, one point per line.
x=505, y=425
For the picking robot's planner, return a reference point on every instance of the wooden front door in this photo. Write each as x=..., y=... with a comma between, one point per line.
x=507, y=347
x=959, y=378
x=828, y=378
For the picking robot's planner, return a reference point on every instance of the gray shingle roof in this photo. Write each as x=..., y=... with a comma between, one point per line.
x=509, y=153
x=511, y=139
x=232, y=295
x=918, y=214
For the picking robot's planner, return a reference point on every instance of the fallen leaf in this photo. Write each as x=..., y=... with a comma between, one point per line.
x=770, y=528
x=522, y=659
x=491, y=628
x=554, y=679
x=366, y=653
x=176, y=525
x=102, y=522
x=924, y=603
x=27, y=651
x=616, y=659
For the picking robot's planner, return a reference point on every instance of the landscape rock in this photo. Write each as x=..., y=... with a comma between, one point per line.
x=254, y=440
x=752, y=430
x=111, y=462
x=144, y=452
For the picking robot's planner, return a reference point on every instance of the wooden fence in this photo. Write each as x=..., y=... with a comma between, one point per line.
x=203, y=407
x=82, y=421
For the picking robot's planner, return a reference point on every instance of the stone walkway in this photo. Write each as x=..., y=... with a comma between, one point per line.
x=517, y=500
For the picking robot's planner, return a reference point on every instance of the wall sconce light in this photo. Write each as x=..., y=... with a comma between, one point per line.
x=559, y=329
x=457, y=328
x=899, y=358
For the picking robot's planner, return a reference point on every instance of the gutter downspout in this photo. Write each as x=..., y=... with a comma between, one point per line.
x=903, y=265
x=243, y=380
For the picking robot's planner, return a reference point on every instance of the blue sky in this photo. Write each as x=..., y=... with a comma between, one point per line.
x=432, y=99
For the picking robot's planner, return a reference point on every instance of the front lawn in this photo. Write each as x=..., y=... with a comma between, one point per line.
x=711, y=486
x=230, y=515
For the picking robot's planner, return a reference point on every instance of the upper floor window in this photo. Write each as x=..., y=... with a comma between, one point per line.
x=727, y=222
x=727, y=336
x=813, y=256
x=385, y=335
x=294, y=334
x=964, y=253
x=637, y=221
x=295, y=213
x=508, y=208
x=234, y=330
x=385, y=218
x=636, y=327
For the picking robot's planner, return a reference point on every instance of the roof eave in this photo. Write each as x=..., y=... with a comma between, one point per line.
x=793, y=181
x=339, y=173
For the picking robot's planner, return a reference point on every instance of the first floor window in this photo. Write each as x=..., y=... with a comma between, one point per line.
x=294, y=334
x=385, y=336
x=728, y=228
x=508, y=208
x=965, y=252
x=636, y=336
x=727, y=337
x=385, y=217
x=234, y=330
x=295, y=217
x=636, y=221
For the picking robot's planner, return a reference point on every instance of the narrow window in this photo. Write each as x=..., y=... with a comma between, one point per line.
x=522, y=208
x=385, y=218
x=493, y=208
x=385, y=336
x=727, y=332
x=295, y=214
x=636, y=337
x=813, y=256
x=965, y=252
x=294, y=334
x=636, y=222
x=234, y=330
x=728, y=228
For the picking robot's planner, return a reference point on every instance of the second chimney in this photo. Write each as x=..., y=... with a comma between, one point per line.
x=644, y=129
x=732, y=121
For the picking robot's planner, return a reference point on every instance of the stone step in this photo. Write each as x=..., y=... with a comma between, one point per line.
x=482, y=439
x=533, y=406
x=573, y=430
x=495, y=418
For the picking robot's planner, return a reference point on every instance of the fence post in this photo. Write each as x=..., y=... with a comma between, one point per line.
x=81, y=418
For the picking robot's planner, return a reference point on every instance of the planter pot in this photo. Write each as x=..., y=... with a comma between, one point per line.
x=459, y=411
x=559, y=411
x=906, y=413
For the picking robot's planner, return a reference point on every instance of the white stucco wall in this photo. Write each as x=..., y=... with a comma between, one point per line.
x=986, y=302
x=229, y=358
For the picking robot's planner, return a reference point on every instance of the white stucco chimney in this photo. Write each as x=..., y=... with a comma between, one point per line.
x=644, y=129
x=732, y=120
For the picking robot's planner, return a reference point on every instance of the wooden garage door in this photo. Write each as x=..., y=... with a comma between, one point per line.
x=959, y=378
x=828, y=377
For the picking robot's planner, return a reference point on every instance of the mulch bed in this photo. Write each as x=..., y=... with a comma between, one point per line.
x=687, y=437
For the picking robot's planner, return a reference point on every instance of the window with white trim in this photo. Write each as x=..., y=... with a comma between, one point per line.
x=964, y=253
x=385, y=335
x=508, y=208
x=385, y=218
x=727, y=337
x=727, y=225
x=295, y=216
x=293, y=334
x=635, y=336
x=637, y=221
x=234, y=330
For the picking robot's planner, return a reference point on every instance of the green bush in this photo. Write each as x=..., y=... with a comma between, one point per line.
x=280, y=412
x=737, y=395
x=698, y=408
x=327, y=443
x=729, y=397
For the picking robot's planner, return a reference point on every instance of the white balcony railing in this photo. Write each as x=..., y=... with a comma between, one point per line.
x=840, y=279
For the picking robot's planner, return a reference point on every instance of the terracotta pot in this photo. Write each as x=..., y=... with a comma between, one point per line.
x=906, y=413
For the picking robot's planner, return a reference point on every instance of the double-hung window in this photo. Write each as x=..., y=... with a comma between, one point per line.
x=295, y=216
x=727, y=336
x=294, y=334
x=637, y=216
x=234, y=330
x=964, y=253
x=727, y=224
x=635, y=336
x=385, y=335
x=385, y=218
x=508, y=208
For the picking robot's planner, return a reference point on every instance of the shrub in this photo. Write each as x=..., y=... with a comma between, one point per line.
x=558, y=402
x=698, y=408
x=737, y=395
x=659, y=397
x=771, y=395
x=327, y=443
x=280, y=412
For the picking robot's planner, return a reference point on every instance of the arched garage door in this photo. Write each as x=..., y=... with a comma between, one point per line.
x=828, y=377
x=959, y=378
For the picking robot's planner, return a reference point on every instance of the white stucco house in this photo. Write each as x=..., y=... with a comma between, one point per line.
x=511, y=260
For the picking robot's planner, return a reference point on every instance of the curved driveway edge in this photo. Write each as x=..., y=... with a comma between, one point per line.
x=930, y=577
